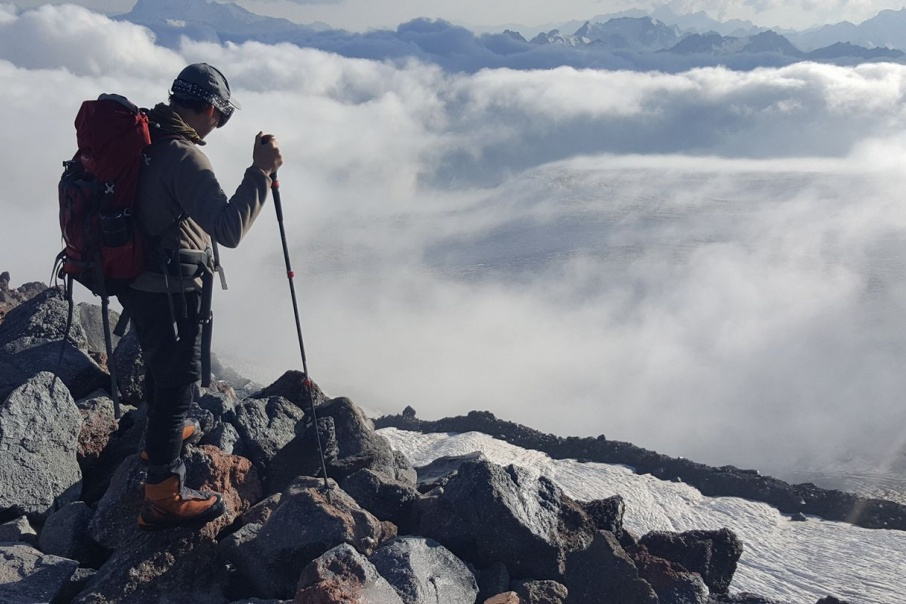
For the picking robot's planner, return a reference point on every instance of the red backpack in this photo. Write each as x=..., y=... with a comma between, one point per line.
x=103, y=249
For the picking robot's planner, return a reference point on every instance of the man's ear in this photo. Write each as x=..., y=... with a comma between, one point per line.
x=209, y=111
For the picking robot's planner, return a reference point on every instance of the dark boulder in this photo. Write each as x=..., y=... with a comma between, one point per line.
x=21, y=359
x=388, y=499
x=32, y=338
x=604, y=572
x=77, y=582
x=439, y=471
x=607, y=515
x=306, y=522
x=130, y=369
x=11, y=298
x=115, y=520
x=65, y=534
x=711, y=554
x=348, y=441
x=266, y=426
x=220, y=399
x=670, y=581
x=488, y=513
x=179, y=564
x=226, y=438
x=492, y=580
x=43, y=318
x=293, y=386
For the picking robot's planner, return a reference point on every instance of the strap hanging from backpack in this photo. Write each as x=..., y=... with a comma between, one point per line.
x=207, y=313
x=108, y=344
x=67, y=295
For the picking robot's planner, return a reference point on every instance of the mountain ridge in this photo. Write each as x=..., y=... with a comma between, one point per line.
x=646, y=42
x=724, y=481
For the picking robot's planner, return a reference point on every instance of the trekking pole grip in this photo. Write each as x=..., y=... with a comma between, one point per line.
x=275, y=189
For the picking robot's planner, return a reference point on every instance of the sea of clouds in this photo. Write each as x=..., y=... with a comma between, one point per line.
x=707, y=263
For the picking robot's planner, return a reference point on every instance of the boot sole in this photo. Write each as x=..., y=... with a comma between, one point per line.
x=212, y=513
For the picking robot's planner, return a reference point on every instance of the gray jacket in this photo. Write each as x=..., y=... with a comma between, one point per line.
x=180, y=205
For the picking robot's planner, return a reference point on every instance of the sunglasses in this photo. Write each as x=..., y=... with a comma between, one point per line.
x=225, y=114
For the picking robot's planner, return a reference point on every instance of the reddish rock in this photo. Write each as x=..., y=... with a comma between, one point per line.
x=343, y=576
x=98, y=424
x=510, y=597
x=207, y=468
x=233, y=476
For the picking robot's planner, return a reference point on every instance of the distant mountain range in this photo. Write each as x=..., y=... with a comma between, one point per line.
x=886, y=29
x=202, y=20
x=647, y=34
x=632, y=39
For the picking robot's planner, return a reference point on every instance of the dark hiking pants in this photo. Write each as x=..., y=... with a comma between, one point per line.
x=172, y=355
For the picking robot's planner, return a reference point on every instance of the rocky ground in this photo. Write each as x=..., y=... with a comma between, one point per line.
x=375, y=530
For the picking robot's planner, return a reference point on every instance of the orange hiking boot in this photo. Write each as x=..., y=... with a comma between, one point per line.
x=169, y=504
x=191, y=434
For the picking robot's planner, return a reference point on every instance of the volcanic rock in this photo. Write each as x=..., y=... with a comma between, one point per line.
x=39, y=433
x=423, y=571
x=487, y=513
x=342, y=575
x=306, y=522
x=385, y=497
x=605, y=558
x=349, y=444
x=711, y=554
x=27, y=575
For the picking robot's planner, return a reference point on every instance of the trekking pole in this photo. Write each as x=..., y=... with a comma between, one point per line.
x=275, y=188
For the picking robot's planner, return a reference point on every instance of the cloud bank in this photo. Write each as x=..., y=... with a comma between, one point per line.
x=708, y=263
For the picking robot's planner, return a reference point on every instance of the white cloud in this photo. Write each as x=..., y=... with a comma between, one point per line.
x=706, y=263
x=82, y=42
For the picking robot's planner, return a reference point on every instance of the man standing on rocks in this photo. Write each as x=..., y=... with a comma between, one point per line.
x=180, y=207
